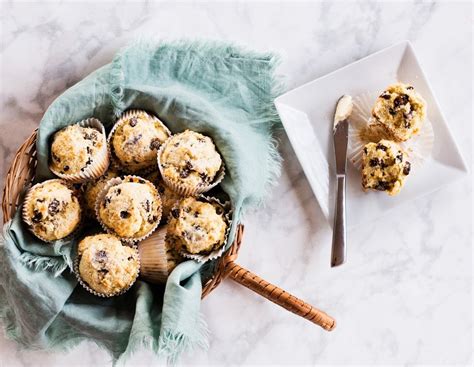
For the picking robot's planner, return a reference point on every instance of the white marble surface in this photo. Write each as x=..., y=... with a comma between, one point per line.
x=404, y=297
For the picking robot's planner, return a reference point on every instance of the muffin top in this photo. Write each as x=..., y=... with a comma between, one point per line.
x=52, y=210
x=130, y=209
x=384, y=167
x=107, y=266
x=93, y=188
x=168, y=197
x=197, y=226
x=74, y=148
x=400, y=110
x=190, y=159
x=136, y=140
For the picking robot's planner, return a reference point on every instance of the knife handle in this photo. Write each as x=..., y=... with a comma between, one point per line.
x=338, y=254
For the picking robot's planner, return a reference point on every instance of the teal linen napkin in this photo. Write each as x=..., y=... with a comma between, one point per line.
x=216, y=89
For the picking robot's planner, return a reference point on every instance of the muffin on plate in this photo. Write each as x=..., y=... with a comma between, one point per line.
x=190, y=163
x=93, y=189
x=158, y=257
x=384, y=167
x=168, y=197
x=197, y=226
x=51, y=210
x=400, y=110
x=79, y=151
x=129, y=208
x=135, y=139
x=105, y=266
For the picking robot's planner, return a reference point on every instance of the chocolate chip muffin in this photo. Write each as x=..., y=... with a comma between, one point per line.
x=384, y=167
x=77, y=150
x=51, y=210
x=93, y=189
x=169, y=198
x=129, y=207
x=400, y=110
x=135, y=140
x=105, y=265
x=197, y=226
x=189, y=162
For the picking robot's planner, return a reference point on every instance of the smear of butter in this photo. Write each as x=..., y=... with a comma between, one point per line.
x=343, y=109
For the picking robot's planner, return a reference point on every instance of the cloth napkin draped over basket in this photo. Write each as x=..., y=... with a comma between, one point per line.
x=216, y=89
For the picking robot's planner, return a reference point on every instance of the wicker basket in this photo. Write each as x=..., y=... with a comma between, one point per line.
x=22, y=171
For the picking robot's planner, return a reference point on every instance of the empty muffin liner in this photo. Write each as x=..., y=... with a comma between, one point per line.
x=114, y=182
x=363, y=130
x=28, y=198
x=125, y=117
x=186, y=190
x=153, y=258
x=218, y=252
x=76, y=263
x=99, y=166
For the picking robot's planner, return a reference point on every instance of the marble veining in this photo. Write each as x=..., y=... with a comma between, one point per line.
x=405, y=295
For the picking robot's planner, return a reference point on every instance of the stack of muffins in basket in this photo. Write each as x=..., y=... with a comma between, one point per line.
x=144, y=186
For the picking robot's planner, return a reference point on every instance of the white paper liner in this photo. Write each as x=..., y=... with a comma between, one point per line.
x=113, y=182
x=29, y=224
x=103, y=295
x=124, y=118
x=185, y=190
x=153, y=258
x=418, y=148
x=218, y=252
x=101, y=163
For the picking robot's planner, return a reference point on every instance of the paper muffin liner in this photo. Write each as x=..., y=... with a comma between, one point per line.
x=103, y=295
x=101, y=163
x=115, y=161
x=114, y=182
x=28, y=198
x=153, y=259
x=363, y=129
x=186, y=190
x=218, y=252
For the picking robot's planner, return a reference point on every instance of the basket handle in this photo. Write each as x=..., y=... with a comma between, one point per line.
x=279, y=296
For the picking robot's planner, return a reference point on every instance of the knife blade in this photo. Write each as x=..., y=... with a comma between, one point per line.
x=340, y=136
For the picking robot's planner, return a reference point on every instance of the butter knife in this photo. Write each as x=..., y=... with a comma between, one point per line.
x=340, y=135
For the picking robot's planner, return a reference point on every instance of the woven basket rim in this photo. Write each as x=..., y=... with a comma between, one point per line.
x=21, y=173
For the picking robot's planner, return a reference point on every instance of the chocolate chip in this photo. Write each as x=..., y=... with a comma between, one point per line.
x=124, y=214
x=118, y=191
x=391, y=111
x=146, y=205
x=400, y=156
x=407, y=168
x=130, y=258
x=204, y=176
x=37, y=216
x=196, y=214
x=189, y=165
x=374, y=162
x=197, y=227
x=88, y=150
x=175, y=213
x=407, y=124
x=40, y=200
x=219, y=210
x=184, y=173
x=176, y=145
x=381, y=147
x=153, y=219
x=365, y=150
x=141, y=181
x=66, y=168
x=409, y=87
x=383, y=165
x=107, y=201
x=385, y=95
x=155, y=144
x=186, y=235
x=101, y=254
x=401, y=100
x=133, y=122
x=201, y=140
x=53, y=207
x=382, y=186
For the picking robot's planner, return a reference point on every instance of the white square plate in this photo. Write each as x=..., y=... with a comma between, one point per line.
x=307, y=115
